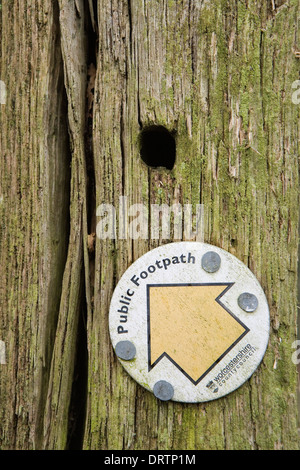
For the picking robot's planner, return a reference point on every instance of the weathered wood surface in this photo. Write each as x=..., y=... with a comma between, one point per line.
x=220, y=75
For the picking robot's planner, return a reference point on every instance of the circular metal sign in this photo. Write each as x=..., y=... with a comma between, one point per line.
x=189, y=322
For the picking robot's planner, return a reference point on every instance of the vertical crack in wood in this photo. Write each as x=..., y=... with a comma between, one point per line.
x=66, y=399
x=78, y=403
x=55, y=231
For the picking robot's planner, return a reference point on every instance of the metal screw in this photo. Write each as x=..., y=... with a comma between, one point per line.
x=211, y=262
x=248, y=302
x=125, y=350
x=163, y=390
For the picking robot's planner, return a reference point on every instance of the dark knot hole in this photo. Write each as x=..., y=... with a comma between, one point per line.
x=158, y=147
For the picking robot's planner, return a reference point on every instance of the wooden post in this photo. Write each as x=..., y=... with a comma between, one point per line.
x=83, y=79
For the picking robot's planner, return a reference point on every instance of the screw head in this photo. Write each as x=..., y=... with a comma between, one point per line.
x=163, y=390
x=125, y=350
x=211, y=262
x=248, y=302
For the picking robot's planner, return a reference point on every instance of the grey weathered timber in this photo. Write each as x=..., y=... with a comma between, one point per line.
x=82, y=80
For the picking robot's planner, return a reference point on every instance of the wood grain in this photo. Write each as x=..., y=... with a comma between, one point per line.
x=218, y=75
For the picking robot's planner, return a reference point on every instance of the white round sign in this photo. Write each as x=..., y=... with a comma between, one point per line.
x=189, y=322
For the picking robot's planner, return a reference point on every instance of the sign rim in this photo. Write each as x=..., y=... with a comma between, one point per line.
x=194, y=247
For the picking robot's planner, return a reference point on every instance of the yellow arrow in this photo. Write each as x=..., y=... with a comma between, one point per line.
x=189, y=325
